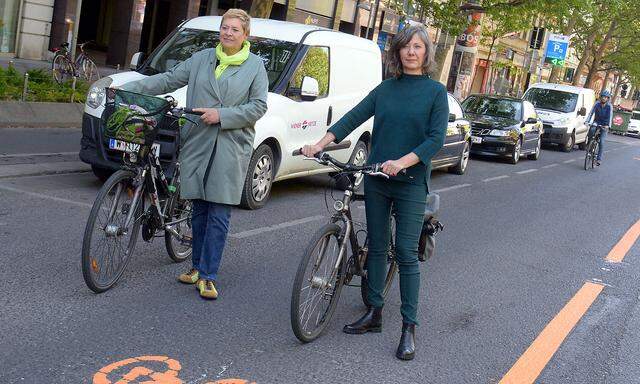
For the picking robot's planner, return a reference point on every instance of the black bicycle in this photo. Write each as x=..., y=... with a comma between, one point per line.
x=337, y=253
x=138, y=196
x=593, y=146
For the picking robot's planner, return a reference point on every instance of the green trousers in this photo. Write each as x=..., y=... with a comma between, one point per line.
x=408, y=202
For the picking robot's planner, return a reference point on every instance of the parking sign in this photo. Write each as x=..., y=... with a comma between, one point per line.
x=557, y=47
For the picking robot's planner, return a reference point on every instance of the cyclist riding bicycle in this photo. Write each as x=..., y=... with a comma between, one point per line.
x=602, y=113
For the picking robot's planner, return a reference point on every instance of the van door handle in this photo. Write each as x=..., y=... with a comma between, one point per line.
x=330, y=116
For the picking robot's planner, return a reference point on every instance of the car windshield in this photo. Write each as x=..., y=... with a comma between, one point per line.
x=552, y=99
x=635, y=116
x=505, y=108
x=274, y=53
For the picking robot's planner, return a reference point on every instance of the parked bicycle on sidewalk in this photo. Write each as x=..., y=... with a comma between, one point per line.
x=63, y=67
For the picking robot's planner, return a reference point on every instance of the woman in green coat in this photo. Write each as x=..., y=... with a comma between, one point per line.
x=229, y=86
x=410, y=120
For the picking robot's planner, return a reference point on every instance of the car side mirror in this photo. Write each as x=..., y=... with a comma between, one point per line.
x=582, y=111
x=532, y=120
x=310, y=89
x=136, y=60
x=452, y=117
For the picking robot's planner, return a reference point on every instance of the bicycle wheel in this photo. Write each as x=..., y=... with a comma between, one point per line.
x=392, y=267
x=107, y=246
x=61, y=68
x=179, y=248
x=594, y=152
x=317, y=286
x=90, y=70
x=588, y=155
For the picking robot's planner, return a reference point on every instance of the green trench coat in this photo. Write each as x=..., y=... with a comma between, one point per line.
x=214, y=158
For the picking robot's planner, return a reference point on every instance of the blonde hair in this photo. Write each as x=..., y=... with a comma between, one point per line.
x=240, y=14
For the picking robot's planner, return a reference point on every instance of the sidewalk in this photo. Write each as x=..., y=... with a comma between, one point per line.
x=23, y=65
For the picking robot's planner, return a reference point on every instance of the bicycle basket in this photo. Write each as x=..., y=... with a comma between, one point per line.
x=133, y=117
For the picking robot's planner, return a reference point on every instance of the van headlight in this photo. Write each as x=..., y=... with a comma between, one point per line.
x=97, y=93
x=563, y=122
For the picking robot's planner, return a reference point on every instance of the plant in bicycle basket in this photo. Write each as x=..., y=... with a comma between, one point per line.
x=129, y=123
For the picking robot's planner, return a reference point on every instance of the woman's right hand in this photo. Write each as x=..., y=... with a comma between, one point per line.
x=311, y=150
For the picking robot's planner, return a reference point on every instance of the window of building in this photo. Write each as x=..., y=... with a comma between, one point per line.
x=568, y=75
x=8, y=25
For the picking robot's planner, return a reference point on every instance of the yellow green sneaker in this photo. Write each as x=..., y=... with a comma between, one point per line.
x=207, y=289
x=190, y=277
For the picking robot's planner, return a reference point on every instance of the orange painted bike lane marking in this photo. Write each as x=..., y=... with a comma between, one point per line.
x=535, y=358
x=620, y=250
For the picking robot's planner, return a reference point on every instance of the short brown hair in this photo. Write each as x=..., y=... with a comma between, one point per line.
x=240, y=14
x=394, y=63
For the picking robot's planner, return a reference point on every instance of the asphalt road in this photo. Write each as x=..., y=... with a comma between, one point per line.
x=520, y=242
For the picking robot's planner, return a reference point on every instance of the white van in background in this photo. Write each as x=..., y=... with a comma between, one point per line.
x=315, y=75
x=634, y=124
x=563, y=109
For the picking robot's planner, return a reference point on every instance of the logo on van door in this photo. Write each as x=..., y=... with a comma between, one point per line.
x=304, y=124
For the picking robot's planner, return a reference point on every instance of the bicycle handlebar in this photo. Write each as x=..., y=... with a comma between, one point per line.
x=326, y=159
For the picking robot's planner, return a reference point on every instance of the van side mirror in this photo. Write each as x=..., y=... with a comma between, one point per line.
x=452, y=117
x=582, y=111
x=310, y=89
x=136, y=60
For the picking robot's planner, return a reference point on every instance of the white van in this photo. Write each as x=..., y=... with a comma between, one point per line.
x=634, y=124
x=563, y=109
x=315, y=75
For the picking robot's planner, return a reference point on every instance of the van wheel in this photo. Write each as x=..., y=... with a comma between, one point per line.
x=358, y=157
x=101, y=173
x=259, y=180
x=461, y=167
x=570, y=144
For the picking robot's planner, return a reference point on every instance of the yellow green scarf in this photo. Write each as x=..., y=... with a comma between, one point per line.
x=225, y=60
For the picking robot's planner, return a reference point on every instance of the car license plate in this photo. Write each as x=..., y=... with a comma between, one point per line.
x=476, y=139
x=123, y=146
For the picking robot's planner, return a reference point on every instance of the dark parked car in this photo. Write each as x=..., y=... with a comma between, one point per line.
x=503, y=126
x=454, y=155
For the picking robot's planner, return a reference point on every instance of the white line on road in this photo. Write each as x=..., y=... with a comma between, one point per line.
x=495, y=178
x=257, y=231
x=569, y=161
x=451, y=188
x=550, y=166
x=39, y=154
x=43, y=196
x=527, y=171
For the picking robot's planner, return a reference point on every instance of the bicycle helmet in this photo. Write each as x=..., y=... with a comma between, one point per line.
x=605, y=93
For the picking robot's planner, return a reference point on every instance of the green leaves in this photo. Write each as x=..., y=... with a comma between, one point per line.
x=41, y=86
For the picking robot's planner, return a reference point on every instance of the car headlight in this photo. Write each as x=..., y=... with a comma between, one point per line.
x=499, y=132
x=97, y=93
x=563, y=122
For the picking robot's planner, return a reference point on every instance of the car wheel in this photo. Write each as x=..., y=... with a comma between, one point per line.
x=101, y=173
x=358, y=157
x=259, y=180
x=570, y=144
x=536, y=154
x=461, y=167
x=515, y=153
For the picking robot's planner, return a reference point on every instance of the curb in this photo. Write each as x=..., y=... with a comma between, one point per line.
x=41, y=169
x=18, y=114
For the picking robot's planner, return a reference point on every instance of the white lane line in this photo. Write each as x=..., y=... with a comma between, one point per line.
x=39, y=154
x=527, y=171
x=569, y=161
x=43, y=196
x=550, y=166
x=258, y=231
x=451, y=188
x=495, y=178
x=607, y=151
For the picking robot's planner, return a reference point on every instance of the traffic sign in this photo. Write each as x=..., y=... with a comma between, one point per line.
x=557, y=47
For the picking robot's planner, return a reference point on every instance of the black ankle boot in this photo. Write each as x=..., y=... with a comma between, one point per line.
x=407, y=347
x=370, y=322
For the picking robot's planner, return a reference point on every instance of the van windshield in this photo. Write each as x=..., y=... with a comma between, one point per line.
x=552, y=99
x=274, y=53
x=635, y=116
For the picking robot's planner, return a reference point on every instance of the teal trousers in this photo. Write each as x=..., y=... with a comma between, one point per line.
x=408, y=202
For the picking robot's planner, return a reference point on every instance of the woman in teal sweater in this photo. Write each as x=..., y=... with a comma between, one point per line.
x=410, y=120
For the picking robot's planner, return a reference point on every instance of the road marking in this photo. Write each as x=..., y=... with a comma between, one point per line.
x=550, y=166
x=43, y=196
x=569, y=161
x=620, y=250
x=527, y=171
x=636, y=158
x=453, y=187
x=495, y=178
x=258, y=231
x=537, y=356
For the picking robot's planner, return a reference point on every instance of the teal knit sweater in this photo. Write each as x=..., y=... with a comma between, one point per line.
x=410, y=115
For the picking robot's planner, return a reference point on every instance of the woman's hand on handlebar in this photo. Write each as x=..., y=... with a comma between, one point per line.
x=392, y=167
x=209, y=115
x=311, y=150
